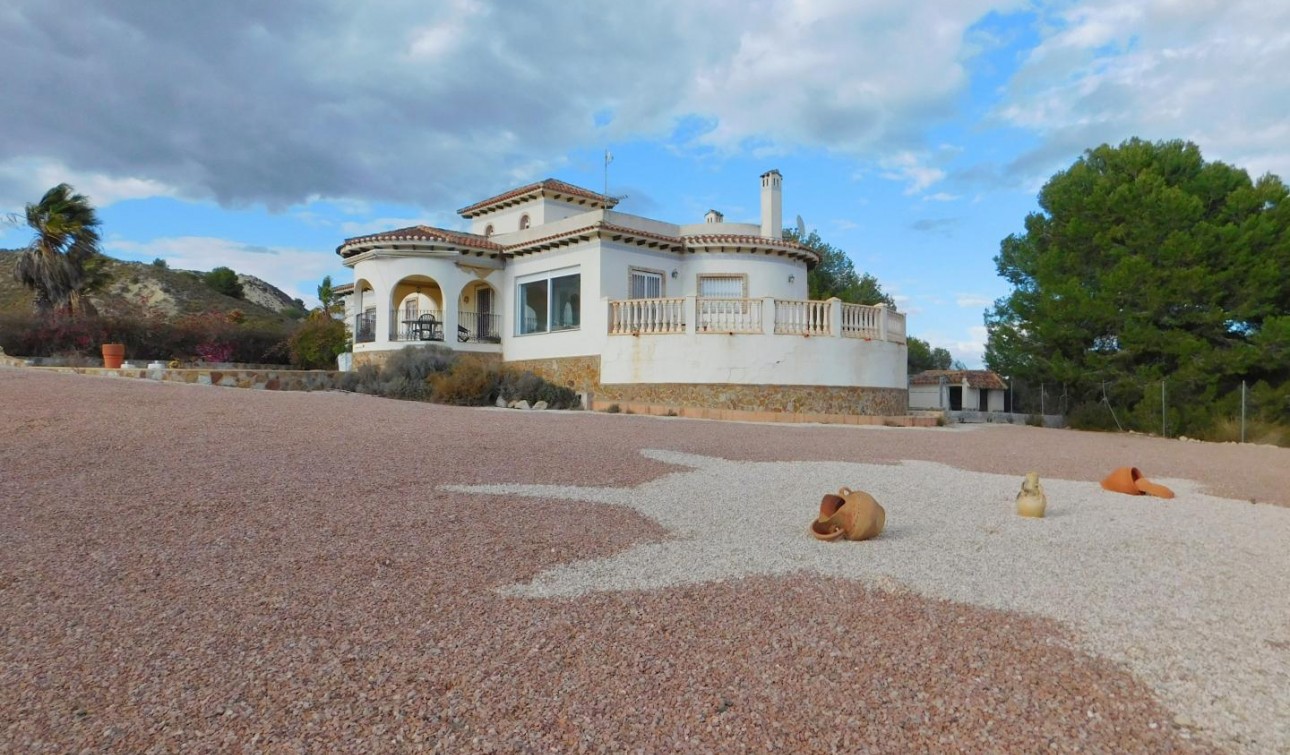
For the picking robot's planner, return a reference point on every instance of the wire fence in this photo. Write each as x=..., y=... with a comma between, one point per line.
x=1245, y=411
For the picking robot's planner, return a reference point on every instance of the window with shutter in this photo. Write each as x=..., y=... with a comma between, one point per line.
x=722, y=287
x=646, y=285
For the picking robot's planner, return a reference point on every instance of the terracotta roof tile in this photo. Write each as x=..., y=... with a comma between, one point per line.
x=424, y=233
x=975, y=378
x=549, y=185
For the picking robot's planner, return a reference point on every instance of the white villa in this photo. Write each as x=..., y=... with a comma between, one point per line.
x=625, y=308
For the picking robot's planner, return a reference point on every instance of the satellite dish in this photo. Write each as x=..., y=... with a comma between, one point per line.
x=801, y=228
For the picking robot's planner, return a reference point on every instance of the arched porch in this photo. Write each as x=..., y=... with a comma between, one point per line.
x=417, y=309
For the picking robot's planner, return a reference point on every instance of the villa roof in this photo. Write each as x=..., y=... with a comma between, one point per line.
x=784, y=246
x=549, y=188
x=419, y=233
x=974, y=378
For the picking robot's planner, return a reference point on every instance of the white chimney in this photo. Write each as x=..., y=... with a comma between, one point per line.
x=772, y=212
x=714, y=217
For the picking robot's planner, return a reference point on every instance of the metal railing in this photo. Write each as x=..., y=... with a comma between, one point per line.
x=802, y=318
x=416, y=325
x=646, y=316
x=483, y=327
x=365, y=327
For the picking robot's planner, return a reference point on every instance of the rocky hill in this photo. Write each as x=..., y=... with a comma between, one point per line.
x=132, y=287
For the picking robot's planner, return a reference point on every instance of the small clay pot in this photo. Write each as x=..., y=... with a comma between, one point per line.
x=113, y=355
x=1031, y=501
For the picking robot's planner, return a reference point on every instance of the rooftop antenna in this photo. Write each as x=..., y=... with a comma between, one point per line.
x=801, y=229
x=609, y=158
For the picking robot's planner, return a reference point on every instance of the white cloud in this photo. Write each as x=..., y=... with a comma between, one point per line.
x=1206, y=71
x=26, y=179
x=377, y=225
x=972, y=301
x=942, y=196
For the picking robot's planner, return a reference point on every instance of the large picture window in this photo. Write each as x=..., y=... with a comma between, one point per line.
x=549, y=303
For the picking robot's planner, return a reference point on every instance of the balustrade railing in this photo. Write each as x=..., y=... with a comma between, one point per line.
x=860, y=321
x=792, y=317
x=646, y=316
x=803, y=318
x=896, y=327
x=729, y=315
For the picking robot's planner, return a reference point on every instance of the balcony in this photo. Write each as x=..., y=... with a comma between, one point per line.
x=637, y=317
x=416, y=325
x=365, y=327
x=764, y=341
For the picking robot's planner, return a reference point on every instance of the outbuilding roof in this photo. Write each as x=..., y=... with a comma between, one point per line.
x=974, y=378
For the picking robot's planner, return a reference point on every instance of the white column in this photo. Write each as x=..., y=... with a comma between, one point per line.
x=768, y=315
x=835, y=317
x=384, y=313
x=691, y=315
x=882, y=321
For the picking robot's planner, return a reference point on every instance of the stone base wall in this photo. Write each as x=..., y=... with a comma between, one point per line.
x=271, y=380
x=582, y=374
x=788, y=399
x=379, y=358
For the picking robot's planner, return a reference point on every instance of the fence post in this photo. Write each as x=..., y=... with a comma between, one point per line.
x=835, y=317
x=1163, y=430
x=1242, y=411
x=691, y=315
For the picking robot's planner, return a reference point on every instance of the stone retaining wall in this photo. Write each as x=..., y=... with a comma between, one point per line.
x=271, y=380
x=582, y=374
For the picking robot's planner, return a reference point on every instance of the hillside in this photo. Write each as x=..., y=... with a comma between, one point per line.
x=133, y=286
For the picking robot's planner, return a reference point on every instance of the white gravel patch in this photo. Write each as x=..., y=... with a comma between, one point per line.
x=1191, y=593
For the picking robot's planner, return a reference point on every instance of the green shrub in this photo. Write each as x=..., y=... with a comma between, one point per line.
x=613, y=409
x=317, y=342
x=1090, y=416
x=223, y=280
x=469, y=382
x=417, y=363
x=1035, y=420
x=526, y=386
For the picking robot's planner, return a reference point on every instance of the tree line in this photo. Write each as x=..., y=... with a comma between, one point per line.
x=1154, y=288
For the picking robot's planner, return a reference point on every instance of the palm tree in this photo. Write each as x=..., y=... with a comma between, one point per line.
x=53, y=265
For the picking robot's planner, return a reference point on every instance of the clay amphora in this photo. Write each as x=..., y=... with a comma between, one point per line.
x=1031, y=501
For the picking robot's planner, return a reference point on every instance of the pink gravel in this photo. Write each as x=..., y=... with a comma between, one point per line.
x=195, y=568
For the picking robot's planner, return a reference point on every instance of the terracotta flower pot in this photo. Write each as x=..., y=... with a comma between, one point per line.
x=1031, y=501
x=824, y=528
x=1129, y=480
x=857, y=517
x=113, y=355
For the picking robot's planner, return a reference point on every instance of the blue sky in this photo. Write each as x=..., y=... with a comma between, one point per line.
x=914, y=136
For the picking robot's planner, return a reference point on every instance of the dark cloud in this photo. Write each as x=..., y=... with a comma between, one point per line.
x=432, y=103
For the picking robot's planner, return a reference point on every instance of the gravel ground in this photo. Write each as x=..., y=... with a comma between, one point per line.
x=186, y=568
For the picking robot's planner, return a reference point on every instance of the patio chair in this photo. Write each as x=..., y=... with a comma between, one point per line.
x=427, y=327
